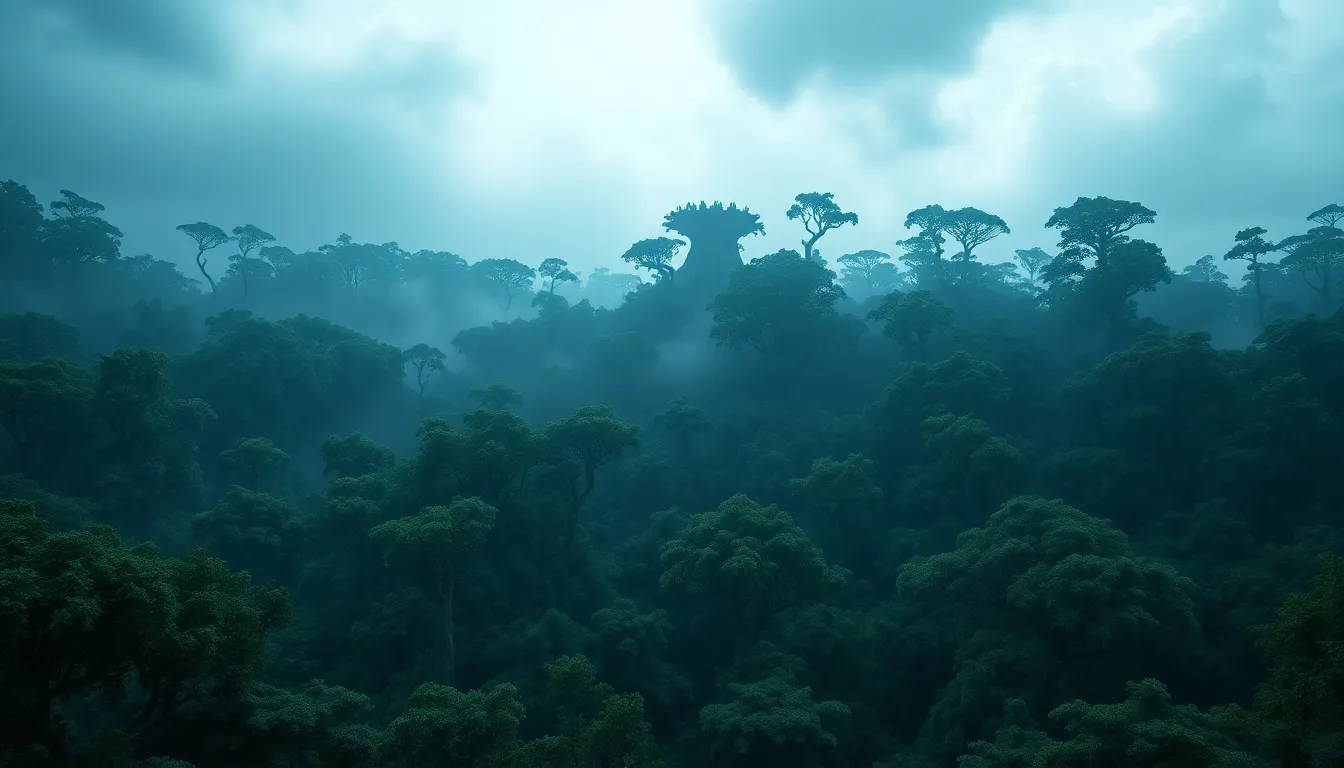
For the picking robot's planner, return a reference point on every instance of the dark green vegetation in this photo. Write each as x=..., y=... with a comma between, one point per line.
x=944, y=515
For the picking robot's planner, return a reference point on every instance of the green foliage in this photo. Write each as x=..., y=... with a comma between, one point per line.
x=426, y=361
x=749, y=561
x=772, y=721
x=912, y=319
x=1305, y=646
x=355, y=455
x=89, y=615
x=254, y=531
x=442, y=725
x=594, y=725
x=31, y=336
x=1144, y=730
x=778, y=304
x=255, y=463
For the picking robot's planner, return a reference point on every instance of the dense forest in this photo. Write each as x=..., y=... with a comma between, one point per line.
x=359, y=506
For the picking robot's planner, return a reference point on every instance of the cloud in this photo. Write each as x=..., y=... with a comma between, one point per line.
x=181, y=34
x=526, y=130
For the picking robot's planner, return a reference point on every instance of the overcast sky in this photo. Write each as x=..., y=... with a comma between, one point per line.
x=536, y=128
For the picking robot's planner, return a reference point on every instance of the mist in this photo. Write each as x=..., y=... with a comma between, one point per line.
x=942, y=385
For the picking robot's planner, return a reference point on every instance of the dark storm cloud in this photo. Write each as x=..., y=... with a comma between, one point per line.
x=187, y=35
x=777, y=46
x=305, y=157
x=1234, y=141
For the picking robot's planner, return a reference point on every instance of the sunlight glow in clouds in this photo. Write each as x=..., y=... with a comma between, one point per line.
x=446, y=123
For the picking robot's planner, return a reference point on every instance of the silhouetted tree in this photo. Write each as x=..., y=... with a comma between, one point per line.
x=510, y=276
x=249, y=238
x=714, y=232
x=426, y=361
x=655, y=254
x=207, y=237
x=819, y=215
x=555, y=271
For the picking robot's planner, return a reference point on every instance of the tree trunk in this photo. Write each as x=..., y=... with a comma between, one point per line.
x=709, y=264
x=200, y=264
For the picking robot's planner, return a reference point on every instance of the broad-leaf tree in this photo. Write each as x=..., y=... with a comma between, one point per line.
x=555, y=271
x=510, y=277
x=207, y=237
x=425, y=361
x=819, y=215
x=433, y=545
x=248, y=238
x=656, y=255
x=1252, y=247
x=776, y=305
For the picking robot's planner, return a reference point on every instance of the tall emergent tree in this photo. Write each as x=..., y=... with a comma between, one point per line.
x=510, y=276
x=78, y=235
x=868, y=273
x=207, y=236
x=1250, y=247
x=714, y=232
x=819, y=215
x=249, y=237
x=655, y=254
x=1033, y=260
x=426, y=361
x=1317, y=256
x=971, y=228
x=1093, y=226
x=555, y=271
x=434, y=544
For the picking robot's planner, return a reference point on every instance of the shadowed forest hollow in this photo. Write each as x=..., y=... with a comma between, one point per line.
x=363, y=507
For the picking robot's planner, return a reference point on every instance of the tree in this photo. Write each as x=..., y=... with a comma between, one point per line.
x=971, y=228
x=775, y=304
x=496, y=397
x=355, y=455
x=1317, y=254
x=435, y=543
x=426, y=361
x=911, y=319
x=1305, y=688
x=510, y=276
x=249, y=238
x=594, y=725
x=1329, y=216
x=924, y=251
x=207, y=237
x=1145, y=729
x=255, y=463
x=1251, y=247
x=78, y=235
x=555, y=271
x=1032, y=260
x=819, y=215
x=714, y=232
x=444, y=726
x=85, y=614
x=1204, y=270
x=748, y=562
x=1093, y=226
x=32, y=336
x=868, y=273
x=682, y=421
x=655, y=254
x=590, y=437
